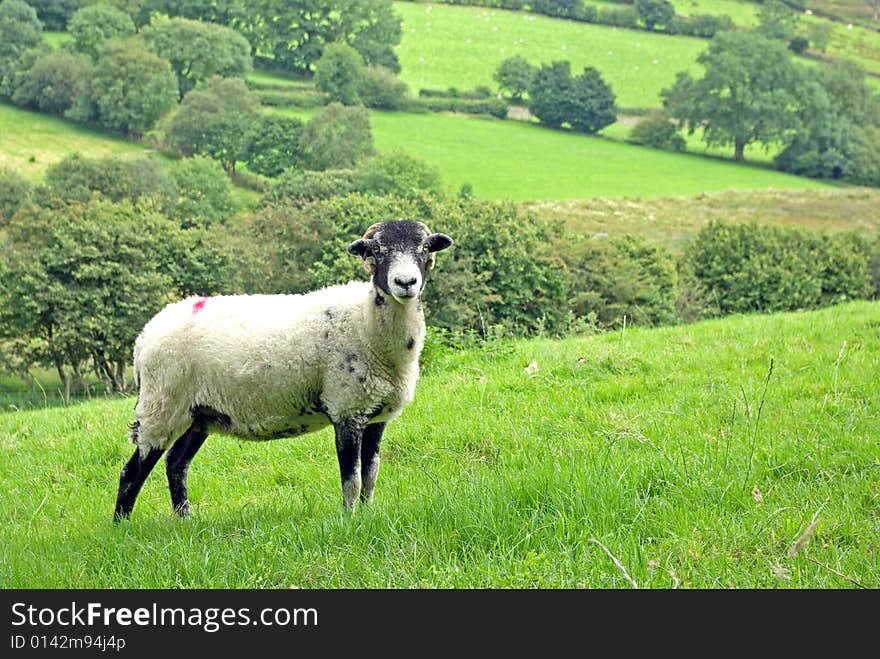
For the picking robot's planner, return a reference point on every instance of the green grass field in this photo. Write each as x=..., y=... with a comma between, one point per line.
x=677, y=451
x=31, y=141
x=445, y=46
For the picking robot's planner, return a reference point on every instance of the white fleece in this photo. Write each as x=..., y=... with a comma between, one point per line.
x=277, y=365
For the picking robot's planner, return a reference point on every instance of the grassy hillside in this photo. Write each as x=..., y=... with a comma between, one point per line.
x=677, y=451
x=31, y=141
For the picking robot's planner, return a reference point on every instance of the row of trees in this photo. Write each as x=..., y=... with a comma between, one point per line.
x=78, y=279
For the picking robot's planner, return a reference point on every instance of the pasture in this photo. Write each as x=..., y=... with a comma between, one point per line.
x=735, y=453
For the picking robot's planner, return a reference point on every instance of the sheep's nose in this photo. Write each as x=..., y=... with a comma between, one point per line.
x=406, y=283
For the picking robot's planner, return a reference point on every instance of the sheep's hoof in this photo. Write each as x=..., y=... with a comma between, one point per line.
x=183, y=510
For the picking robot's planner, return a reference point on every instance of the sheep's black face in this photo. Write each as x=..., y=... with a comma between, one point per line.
x=398, y=254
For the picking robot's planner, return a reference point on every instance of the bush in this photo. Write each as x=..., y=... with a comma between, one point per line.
x=618, y=17
x=557, y=8
x=20, y=30
x=15, y=192
x=204, y=192
x=491, y=106
x=798, y=45
x=398, y=174
x=381, y=90
x=273, y=145
x=78, y=178
x=305, y=99
x=702, y=25
x=657, y=131
x=514, y=75
x=751, y=267
x=653, y=12
x=617, y=280
x=303, y=186
x=586, y=102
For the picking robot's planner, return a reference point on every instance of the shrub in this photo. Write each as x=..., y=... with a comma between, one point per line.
x=617, y=280
x=20, y=30
x=398, y=174
x=752, y=267
x=657, y=131
x=380, y=89
x=204, y=192
x=702, y=25
x=272, y=145
x=514, y=75
x=49, y=81
x=618, y=16
x=798, y=45
x=491, y=106
x=653, y=12
x=303, y=186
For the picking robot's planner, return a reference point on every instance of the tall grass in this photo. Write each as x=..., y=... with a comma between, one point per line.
x=659, y=458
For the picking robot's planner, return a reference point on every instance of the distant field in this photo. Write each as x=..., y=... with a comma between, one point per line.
x=673, y=221
x=519, y=161
x=31, y=141
x=445, y=46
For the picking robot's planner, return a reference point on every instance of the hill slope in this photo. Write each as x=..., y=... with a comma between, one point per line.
x=678, y=450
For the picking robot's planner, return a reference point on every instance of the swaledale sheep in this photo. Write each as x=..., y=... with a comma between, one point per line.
x=263, y=367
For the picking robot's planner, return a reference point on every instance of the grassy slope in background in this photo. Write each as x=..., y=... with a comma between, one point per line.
x=671, y=447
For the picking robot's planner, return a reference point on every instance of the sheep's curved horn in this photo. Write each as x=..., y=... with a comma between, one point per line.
x=371, y=230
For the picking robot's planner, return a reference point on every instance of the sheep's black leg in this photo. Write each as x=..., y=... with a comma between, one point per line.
x=348, y=450
x=370, y=459
x=132, y=478
x=177, y=464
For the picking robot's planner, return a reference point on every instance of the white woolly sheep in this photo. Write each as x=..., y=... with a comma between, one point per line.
x=262, y=367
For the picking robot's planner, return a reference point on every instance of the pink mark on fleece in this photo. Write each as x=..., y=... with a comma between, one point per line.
x=199, y=304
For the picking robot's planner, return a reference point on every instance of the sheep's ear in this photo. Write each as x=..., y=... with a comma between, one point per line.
x=436, y=242
x=363, y=247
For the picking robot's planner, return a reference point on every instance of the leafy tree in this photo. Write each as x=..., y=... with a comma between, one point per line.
x=558, y=8
x=864, y=164
x=273, y=145
x=551, y=93
x=336, y=137
x=130, y=89
x=748, y=93
x=514, y=75
x=654, y=12
x=204, y=192
x=20, y=30
x=294, y=34
x=93, y=25
x=586, y=103
x=48, y=80
x=594, y=104
x=215, y=119
x=221, y=12
x=15, y=192
x=55, y=14
x=776, y=20
x=198, y=50
x=339, y=73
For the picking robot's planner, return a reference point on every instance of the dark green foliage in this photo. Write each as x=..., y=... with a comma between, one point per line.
x=620, y=280
x=297, y=186
x=221, y=12
x=204, y=192
x=657, y=131
x=336, y=137
x=618, y=16
x=85, y=278
x=558, y=8
x=864, y=165
x=130, y=88
x=586, y=102
x=551, y=94
x=20, y=30
x=749, y=92
x=55, y=14
x=15, y=192
x=381, y=90
x=197, y=51
x=798, y=45
x=702, y=25
x=514, y=75
x=752, y=267
x=49, y=80
x=655, y=12
x=215, y=119
x=593, y=105
x=78, y=178
x=305, y=99
x=273, y=145
x=339, y=73
x=93, y=25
